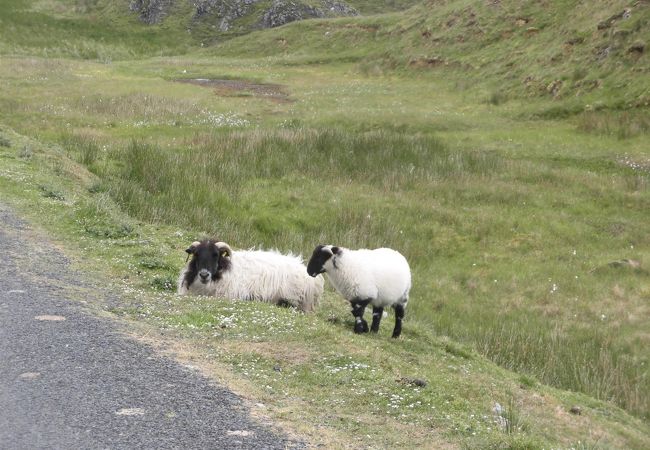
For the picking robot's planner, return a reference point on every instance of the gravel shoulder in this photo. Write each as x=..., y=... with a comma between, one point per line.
x=71, y=379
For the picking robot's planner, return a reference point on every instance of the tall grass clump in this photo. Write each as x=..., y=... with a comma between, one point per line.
x=623, y=125
x=83, y=149
x=581, y=360
x=497, y=98
x=260, y=184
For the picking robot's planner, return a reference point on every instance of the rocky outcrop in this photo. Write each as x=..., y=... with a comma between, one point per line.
x=285, y=11
x=151, y=11
x=223, y=13
x=282, y=12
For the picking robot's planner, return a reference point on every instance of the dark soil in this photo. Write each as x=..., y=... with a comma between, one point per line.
x=241, y=88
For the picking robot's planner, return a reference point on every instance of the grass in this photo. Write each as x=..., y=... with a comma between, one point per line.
x=225, y=173
x=509, y=203
x=513, y=49
x=343, y=386
x=512, y=232
x=87, y=30
x=623, y=125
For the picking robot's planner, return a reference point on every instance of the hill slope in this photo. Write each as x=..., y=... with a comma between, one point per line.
x=560, y=50
x=591, y=58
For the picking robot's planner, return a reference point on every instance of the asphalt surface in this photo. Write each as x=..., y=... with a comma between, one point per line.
x=72, y=380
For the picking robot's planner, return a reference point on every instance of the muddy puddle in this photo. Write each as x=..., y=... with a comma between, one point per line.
x=241, y=88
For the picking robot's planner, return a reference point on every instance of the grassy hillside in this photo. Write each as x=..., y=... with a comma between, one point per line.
x=110, y=30
x=577, y=55
x=342, y=387
x=82, y=29
x=588, y=56
x=527, y=238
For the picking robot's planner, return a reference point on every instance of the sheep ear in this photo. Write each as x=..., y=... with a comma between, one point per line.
x=192, y=248
x=336, y=250
x=224, y=249
x=323, y=249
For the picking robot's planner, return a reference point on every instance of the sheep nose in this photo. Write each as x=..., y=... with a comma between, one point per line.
x=204, y=274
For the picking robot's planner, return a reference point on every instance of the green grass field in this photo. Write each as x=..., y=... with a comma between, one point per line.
x=523, y=211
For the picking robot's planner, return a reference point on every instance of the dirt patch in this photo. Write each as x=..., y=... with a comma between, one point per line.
x=288, y=353
x=241, y=88
x=423, y=63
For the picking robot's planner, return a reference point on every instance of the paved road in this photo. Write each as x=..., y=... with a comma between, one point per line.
x=78, y=383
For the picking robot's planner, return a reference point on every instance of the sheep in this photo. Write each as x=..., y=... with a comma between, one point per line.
x=268, y=276
x=379, y=277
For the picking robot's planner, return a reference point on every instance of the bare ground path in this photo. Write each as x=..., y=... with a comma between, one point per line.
x=70, y=379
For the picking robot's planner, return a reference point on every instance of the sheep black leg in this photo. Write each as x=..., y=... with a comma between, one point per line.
x=358, y=307
x=377, y=312
x=399, y=315
x=284, y=303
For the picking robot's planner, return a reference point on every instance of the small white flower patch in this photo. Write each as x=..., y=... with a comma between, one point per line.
x=350, y=366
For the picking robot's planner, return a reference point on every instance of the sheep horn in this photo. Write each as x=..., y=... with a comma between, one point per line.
x=223, y=247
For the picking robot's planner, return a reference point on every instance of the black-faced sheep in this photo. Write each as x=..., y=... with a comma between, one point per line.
x=216, y=270
x=380, y=277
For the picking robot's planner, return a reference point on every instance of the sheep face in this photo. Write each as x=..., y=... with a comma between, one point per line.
x=322, y=254
x=209, y=260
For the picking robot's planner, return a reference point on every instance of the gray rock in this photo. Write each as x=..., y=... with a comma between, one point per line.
x=576, y=410
x=285, y=11
x=637, y=47
x=223, y=13
x=626, y=264
x=151, y=11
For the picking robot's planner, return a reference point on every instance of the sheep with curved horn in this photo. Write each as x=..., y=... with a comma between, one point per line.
x=268, y=276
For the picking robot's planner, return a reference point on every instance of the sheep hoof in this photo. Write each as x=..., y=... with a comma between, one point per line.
x=361, y=327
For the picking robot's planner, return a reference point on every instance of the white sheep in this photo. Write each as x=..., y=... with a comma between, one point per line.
x=379, y=277
x=268, y=276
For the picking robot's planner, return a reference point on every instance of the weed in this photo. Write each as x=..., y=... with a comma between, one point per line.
x=82, y=149
x=514, y=421
x=99, y=219
x=164, y=283
x=579, y=73
x=26, y=152
x=153, y=263
x=583, y=445
x=496, y=98
x=456, y=350
x=97, y=187
x=49, y=192
x=623, y=125
x=527, y=381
